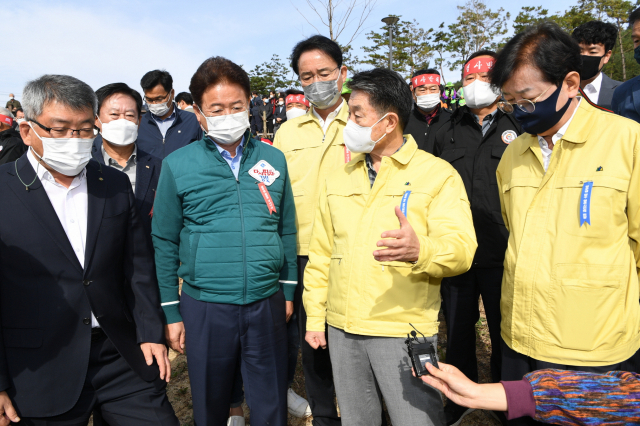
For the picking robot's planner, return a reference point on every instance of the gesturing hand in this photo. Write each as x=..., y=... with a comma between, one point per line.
x=316, y=339
x=459, y=389
x=403, y=244
x=151, y=350
x=7, y=412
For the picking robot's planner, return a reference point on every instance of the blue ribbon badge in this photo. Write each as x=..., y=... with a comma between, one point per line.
x=403, y=202
x=585, y=203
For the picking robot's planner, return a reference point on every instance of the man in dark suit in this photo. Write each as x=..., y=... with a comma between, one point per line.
x=280, y=114
x=82, y=326
x=118, y=117
x=596, y=40
x=267, y=109
x=626, y=99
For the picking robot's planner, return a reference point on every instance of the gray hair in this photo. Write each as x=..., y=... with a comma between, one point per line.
x=64, y=89
x=4, y=111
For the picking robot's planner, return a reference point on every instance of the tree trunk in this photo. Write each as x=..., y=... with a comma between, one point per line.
x=330, y=10
x=624, y=62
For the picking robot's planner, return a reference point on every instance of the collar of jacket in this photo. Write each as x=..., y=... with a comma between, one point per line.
x=178, y=119
x=402, y=156
x=343, y=115
x=249, y=145
x=577, y=132
x=464, y=111
x=420, y=115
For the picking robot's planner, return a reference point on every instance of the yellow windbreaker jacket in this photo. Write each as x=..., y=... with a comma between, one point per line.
x=346, y=286
x=311, y=155
x=570, y=289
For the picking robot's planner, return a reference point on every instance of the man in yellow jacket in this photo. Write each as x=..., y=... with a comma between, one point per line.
x=389, y=225
x=313, y=147
x=570, y=196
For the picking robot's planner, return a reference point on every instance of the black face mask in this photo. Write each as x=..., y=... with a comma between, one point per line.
x=590, y=66
x=544, y=116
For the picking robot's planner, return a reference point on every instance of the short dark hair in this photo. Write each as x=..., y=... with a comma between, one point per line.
x=216, y=70
x=19, y=109
x=634, y=16
x=293, y=92
x=155, y=77
x=387, y=90
x=316, y=42
x=111, y=89
x=545, y=46
x=184, y=96
x=596, y=32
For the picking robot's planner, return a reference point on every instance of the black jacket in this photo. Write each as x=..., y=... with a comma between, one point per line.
x=184, y=130
x=423, y=133
x=47, y=297
x=11, y=146
x=476, y=158
x=281, y=112
x=147, y=175
x=268, y=108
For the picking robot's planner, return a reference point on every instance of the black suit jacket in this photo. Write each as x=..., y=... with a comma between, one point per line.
x=281, y=112
x=607, y=88
x=46, y=297
x=147, y=175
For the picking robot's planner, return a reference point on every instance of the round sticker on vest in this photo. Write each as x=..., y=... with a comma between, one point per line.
x=509, y=136
x=263, y=172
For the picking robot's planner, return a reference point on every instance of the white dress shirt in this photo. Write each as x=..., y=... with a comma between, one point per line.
x=544, y=146
x=593, y=89
x=325, y=123
x=71, y=206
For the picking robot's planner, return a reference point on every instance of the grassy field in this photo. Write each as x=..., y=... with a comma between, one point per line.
x=180, y=393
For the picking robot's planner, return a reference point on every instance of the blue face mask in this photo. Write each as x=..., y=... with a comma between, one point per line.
x=636, y=54
x=543, y=117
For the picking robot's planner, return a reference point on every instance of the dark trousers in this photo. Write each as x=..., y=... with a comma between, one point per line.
x=217, y=336
x=293, y=347
x=460, y=296
x=515, y=365
x=316, y=364
x=117, y=394
x=256, y=125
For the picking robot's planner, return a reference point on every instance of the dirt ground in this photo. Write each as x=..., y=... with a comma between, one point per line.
x=180, y=393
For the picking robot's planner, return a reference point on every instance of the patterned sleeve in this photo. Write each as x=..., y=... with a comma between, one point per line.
x=581, y=398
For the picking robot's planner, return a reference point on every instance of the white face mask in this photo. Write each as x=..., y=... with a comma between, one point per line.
x=428, y=102
x=295, y=113
x=322, y=94
x=119, y=132
x=67, y=156
x=160, y=109
x=280, y=103
x=480, y=94
x=227, y=129
x=358, y=138
x=20, y=120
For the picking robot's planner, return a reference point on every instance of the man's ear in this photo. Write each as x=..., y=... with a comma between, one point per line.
x=607, y=57
x=392, y=122
x=572, y=83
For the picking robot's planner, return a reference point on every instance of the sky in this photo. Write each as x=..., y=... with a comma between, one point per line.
x=120, y=40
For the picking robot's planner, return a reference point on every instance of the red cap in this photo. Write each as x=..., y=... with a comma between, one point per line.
x=6, y=120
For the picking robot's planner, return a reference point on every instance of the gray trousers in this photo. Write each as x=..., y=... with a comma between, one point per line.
x=365, y=367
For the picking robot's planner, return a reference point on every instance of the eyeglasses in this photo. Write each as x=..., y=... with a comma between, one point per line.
x=157, y=100
x=323, y=76
x=61, y=132
x=523, y=104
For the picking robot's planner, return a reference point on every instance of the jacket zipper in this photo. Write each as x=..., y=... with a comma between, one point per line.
x=244, y=245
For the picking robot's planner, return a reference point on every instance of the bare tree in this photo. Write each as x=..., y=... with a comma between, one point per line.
x=337, y=15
